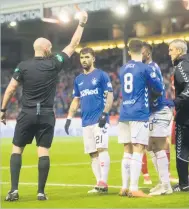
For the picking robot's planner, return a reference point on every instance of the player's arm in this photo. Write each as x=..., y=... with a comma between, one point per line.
x=153, y=81
x=155, y=94
x=183, y=77
x=109, y=101
x=70, y=49
x=73, y=107
x=108, y=105
x=108, y=94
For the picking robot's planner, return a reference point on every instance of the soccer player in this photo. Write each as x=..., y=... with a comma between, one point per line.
x=171, y=131
x=160, y=120
x=136, y=79
x=93, y=92
x=180, y=59
x=38, y=77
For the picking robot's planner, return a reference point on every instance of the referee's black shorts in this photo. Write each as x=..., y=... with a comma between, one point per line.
x=182, y=142
x=30, y=125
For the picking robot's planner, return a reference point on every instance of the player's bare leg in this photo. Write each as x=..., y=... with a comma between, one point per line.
x=145, y=173
x=43, y=171
x=135, y=170
x=125, y=169
x=15, y=167
x=160, y=161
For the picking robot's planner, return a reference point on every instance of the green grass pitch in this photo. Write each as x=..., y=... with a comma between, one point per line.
x=71, y=176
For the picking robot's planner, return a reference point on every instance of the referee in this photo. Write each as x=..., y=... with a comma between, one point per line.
x=38, y=77
x=180, y=59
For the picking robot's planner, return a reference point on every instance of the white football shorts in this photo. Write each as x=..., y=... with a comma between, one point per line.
x=95, y=137
x=160, y=123
x=136, y=132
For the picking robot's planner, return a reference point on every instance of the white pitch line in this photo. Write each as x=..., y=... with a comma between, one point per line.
x=55, y=165
x=62, y=185
x=57, y=185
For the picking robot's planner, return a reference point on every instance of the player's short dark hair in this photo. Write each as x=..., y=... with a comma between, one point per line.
x=148, y=46
x=87, y=50
x=135, y=45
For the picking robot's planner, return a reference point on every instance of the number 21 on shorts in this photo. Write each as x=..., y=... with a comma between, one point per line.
x=128, y=83
x=98, y=139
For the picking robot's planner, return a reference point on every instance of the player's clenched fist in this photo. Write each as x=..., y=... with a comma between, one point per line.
x=67, y=125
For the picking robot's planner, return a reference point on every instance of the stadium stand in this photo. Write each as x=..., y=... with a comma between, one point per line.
x=109, y=60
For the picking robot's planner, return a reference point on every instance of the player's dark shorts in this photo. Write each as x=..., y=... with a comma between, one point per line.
x=30, y=125
x=182, y=142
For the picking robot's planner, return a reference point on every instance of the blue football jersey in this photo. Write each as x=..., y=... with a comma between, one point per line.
x=136, y=77
x=91, y=89
x=160, y=102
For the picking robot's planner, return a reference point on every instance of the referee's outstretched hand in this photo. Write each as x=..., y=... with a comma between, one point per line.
x=102, y=120
x=83, y=17
x=3, y=117
x=67, y=125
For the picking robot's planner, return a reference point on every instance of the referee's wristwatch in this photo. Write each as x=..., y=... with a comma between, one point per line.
x=3, y=110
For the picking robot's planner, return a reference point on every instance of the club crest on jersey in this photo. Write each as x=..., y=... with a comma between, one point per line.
x=94, y=81
x=153, y=75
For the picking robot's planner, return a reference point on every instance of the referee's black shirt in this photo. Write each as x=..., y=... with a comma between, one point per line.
x=181, y=83
x=38, y=77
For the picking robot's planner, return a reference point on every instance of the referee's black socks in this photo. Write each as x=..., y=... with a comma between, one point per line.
x=182, y=169
x=43, y=169
x=15, y=166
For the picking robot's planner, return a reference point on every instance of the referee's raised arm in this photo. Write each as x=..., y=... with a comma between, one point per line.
x=61, y=58
x=70, y=49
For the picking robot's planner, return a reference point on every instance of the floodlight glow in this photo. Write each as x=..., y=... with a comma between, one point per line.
x=64, y=17
x=77, y=15
x=50, y=20
x=159, y=5
x=120, y=10
x=144, y=7
x=13, y=24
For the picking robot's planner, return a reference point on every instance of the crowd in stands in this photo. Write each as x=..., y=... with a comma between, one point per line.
x=108, y=60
